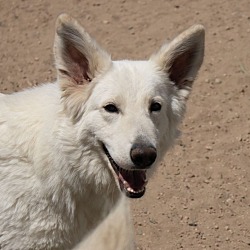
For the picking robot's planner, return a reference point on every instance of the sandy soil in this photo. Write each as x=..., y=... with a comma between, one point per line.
x=199, y=198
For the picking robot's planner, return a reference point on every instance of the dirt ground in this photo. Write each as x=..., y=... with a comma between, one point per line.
x=199, y=197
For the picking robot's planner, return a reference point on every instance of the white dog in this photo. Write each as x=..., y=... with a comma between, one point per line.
x=68, y=148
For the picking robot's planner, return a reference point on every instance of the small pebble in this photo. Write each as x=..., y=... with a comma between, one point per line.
x=217, y=80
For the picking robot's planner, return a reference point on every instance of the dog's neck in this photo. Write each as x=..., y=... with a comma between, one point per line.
x=83, y=188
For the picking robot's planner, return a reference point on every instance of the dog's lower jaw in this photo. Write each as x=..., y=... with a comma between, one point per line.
x=135, y=194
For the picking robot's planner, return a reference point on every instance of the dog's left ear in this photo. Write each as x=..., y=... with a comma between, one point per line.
x=181, y=59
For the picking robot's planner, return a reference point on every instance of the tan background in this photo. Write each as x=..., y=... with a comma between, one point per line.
x=199, y=198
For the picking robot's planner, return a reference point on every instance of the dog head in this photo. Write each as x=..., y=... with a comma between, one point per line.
x=130, y=109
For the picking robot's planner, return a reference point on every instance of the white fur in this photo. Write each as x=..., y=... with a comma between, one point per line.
x=56, y=183
x=114, y=233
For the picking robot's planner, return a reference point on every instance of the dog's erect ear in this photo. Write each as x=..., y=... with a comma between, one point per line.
x=182, y=58
x=78, y=57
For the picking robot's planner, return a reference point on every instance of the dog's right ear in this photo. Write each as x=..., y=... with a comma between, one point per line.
x=79, y=59
x=78, y=56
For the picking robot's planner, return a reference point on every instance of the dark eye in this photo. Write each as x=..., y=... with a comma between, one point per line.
x=155, y=106
x=111, y=108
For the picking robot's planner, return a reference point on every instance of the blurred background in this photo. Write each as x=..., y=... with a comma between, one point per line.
x=199, y=197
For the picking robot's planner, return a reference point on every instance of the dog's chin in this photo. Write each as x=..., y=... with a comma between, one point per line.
x=131, y=182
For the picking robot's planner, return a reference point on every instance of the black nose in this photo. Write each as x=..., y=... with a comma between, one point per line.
x=143, y=156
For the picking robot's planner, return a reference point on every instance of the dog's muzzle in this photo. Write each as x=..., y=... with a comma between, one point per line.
x=132, y=182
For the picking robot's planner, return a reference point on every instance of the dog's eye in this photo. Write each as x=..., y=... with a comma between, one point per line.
x=155, y=106
x=111, y=108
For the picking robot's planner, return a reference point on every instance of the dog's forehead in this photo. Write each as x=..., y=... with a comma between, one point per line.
x=136, y=72
x=132, y=77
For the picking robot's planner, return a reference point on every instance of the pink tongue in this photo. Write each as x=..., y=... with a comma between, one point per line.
x=135, y=179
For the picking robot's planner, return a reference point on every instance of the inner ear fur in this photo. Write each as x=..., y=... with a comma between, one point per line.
x=78, y=56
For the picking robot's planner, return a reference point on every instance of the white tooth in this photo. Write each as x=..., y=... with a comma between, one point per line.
x=130, y=189
x=139, y=191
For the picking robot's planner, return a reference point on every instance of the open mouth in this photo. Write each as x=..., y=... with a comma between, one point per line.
x=132, y=182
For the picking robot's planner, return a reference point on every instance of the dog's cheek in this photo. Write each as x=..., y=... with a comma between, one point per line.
x=74, y=98
x=94, y=122
x=108, y=118
x=178, y=106
x=167, y=130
